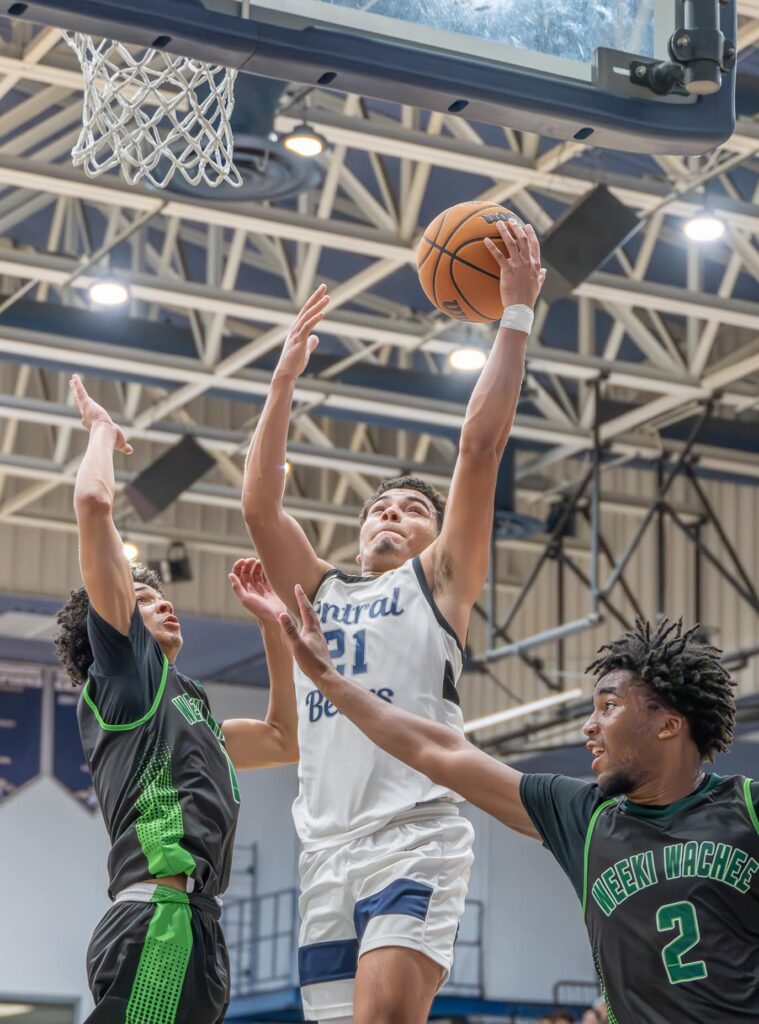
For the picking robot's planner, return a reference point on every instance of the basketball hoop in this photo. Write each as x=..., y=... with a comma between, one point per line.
x=154, y=114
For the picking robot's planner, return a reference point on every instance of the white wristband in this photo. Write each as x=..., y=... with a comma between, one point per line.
x=518, y=318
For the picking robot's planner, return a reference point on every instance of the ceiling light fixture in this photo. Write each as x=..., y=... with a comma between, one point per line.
x=108, y=292
x=467, y=358
x=705, y=226
x=304, y=141
x=175, y=567
x=131, y=551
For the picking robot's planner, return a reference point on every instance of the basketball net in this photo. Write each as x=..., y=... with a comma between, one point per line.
x=154, y=114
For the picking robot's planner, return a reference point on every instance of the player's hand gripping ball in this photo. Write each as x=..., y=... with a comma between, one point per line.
x=456, y=271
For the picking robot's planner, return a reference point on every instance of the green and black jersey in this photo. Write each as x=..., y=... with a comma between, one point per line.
x=670, y=895
x=166, y=786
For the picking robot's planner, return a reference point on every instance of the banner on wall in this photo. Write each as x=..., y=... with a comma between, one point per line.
x=69, y=764
x=20, y=727
x=39, y=735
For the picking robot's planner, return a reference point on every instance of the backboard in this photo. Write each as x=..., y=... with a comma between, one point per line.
x=559, y=68
x=557, y=37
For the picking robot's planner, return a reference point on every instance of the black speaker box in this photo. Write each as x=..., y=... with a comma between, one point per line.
x=156, y=487
x=582, y=239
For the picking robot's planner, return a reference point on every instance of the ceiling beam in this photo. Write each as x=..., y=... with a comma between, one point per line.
x=501, y=164
x=415, y=334
x=738, y=462
x=276, y=222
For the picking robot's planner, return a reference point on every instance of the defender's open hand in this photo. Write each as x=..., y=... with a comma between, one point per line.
x=307, y=644
x=251, y=586
x=93, y=413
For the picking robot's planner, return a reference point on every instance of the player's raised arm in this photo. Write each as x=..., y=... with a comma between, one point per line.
x=456, y=563
x=105, y=570
x=435, y=750
x=274, y=741
x=286, y=553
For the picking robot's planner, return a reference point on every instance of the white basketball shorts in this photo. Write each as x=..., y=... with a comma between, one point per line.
x=403, y=885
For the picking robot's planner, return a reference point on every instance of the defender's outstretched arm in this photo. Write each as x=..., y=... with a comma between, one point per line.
x=274, y=741
x=433, y=749
x=105, y=570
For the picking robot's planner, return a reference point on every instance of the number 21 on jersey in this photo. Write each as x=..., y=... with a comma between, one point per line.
x=347, y=650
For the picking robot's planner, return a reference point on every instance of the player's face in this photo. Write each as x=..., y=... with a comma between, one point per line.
x=399, y=525
x=159, y=618
x=622, y=733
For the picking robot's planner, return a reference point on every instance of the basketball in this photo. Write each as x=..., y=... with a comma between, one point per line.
x=456, y=271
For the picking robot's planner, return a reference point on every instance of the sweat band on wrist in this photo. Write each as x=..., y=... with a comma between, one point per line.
x=518, y=318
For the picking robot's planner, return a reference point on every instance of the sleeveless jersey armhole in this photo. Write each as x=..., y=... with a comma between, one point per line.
x=327, y=575
x=586, y=850
x=129, y=725
x=425, y=588
x=748, y=796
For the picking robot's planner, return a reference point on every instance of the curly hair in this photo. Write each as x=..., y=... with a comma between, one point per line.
x=409, y=483
x=72, y=642
x=684, y=673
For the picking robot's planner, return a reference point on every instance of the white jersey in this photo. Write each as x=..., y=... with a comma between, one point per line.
x=385, y=633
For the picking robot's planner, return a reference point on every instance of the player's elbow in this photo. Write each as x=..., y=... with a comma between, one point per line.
x=438, y=761
x=289, y=752
x=285, y=744
x=478, y=446
x=259, y=505
x=92, y=503
x=251, y=510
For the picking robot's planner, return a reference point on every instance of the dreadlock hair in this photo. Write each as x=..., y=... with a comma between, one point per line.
x=72, y=643
x=686, y=674
x=410, y=483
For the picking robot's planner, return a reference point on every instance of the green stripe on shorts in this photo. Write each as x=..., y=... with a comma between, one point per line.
x=163, y=962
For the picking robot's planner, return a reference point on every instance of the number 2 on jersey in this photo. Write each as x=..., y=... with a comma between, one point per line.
x=683, y=917
x=338, y=640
